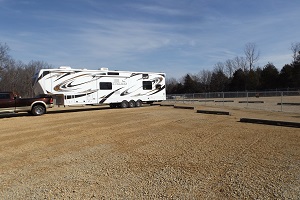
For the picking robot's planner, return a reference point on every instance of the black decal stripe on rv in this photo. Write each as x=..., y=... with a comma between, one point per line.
x=163, y=87
x=72, y=78
x=67, y=74
x=126, y=92
x=65, y=84
x=43, y=75
x=135, y=74
x=107, y=96
x=77, y=96
x=86, y=75
x=70, y=84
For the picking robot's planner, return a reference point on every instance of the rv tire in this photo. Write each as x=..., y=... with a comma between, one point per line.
x=124, y=104
x=131, y=104
x=138, y=103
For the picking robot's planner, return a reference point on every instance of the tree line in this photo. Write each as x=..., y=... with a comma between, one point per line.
x=241, y=74
x=237, y=74
x=16, y=76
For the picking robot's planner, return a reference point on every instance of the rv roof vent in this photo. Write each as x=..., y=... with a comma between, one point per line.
x=104, y=69
x=64, y=67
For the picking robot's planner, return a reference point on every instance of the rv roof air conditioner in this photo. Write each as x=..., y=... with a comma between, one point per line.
x=104, y=68
x=64, y=67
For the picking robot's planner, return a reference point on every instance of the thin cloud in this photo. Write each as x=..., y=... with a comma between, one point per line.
x=155, y=9
x=167, y=35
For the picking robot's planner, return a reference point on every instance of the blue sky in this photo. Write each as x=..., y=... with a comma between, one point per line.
x=171, y=36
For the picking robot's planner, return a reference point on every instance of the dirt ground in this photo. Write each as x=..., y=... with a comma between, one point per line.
x=152, y=152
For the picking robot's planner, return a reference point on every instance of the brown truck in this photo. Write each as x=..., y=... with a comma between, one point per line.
x=35, y=106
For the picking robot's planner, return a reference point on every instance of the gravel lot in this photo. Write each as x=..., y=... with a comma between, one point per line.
x=152, y=152
x=262, y=103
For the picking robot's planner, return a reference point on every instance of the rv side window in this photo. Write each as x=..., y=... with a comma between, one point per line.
x=147, y=85
x=45, y=73
x=105, y=85
x=112, y=73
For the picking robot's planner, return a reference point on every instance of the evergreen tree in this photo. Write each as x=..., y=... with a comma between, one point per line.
x=269, y=77
x=238, y=81
x=189, y=86
x=219, y=82
x=286, y=76
x=253, y=80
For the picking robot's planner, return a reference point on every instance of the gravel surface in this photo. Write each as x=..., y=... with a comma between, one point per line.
x=272, y=104
x=152, y=152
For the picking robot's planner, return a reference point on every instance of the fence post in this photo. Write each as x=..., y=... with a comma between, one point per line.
x=223, y=98
x=281, y=100
x=247, y=100
x=193, y=98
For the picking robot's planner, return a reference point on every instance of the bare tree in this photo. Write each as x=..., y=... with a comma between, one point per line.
x=16, y=76
x=204, y=78
x=219, y=67
x=295, y=47
x=171, y=84
x=240, y=63
x=251, y=53
x=9, y=75
x=4, y=57
x=28, y=72
x=229, y=67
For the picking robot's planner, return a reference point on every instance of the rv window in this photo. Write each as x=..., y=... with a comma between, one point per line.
x=45, y=73
x=112, y=73
x=100, y=74
x=145, y=76
x=147, y=85
x=105, y=85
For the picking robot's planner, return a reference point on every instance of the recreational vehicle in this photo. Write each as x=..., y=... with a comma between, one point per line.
x=70, y=86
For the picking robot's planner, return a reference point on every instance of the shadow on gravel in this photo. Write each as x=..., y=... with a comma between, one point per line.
x=83, y=109
x=50, y=111
x=58, y=110
x=11, y=115
x=70, y=110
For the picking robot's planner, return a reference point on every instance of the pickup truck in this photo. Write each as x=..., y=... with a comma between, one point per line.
x=35, y=106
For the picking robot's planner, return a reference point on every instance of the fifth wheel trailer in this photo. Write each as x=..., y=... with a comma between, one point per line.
x=70, y=86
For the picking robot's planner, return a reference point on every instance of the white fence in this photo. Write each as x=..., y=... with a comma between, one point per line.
x=283, y=101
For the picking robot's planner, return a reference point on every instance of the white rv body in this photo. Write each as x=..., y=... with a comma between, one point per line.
x=81, y=86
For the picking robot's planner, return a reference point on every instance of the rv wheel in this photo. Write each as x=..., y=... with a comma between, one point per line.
x=131, y=104
x=124, y=104
x=138, y=103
